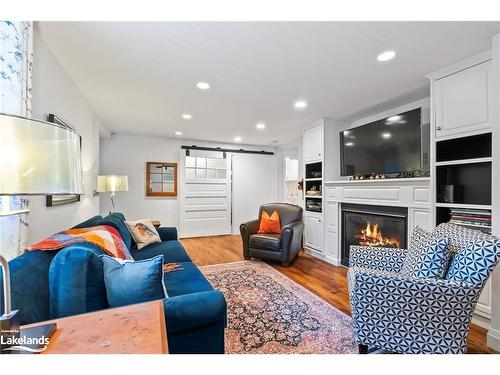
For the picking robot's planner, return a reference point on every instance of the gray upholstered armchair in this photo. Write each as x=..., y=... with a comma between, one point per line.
x=282, y=247
x=406, y=314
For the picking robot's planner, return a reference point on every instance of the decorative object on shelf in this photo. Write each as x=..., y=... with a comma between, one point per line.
x=112, y=184
x=313, y=205
x=314, y=191
x=316, y=174
x=450, y=194
x=161, y=179
x=300, y=185
x=58, y=200
x=40, y=158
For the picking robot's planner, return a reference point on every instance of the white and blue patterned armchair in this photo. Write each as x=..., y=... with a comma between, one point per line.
x=397, y=311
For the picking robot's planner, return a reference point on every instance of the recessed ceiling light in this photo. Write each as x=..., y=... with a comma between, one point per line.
x=386, y=135
x=237, y=139
x=203, y=85
x=260, y=125
x=386, y=56
x=187, y=116
x=394, y=118
x=178, y=133
x=349, y=144
x=300, y=104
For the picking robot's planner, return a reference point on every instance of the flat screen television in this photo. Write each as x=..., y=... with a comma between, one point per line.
x=387, y=146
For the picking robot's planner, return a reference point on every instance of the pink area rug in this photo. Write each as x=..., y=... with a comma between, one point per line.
x=269, y=313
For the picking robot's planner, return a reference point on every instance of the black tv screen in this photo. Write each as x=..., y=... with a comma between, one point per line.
x=390, y=145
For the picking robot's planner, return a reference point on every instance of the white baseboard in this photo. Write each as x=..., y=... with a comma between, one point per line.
x=493, y=339
x=332, y=260
x=481, y=321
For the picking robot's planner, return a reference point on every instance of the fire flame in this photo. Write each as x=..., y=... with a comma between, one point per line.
x=371, y=235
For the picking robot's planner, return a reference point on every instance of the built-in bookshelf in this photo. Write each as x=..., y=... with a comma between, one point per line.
x=464, y=181
x=313, y=186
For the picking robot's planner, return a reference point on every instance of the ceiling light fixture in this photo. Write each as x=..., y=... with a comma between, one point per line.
x=260, y=125
x=349, y=144
x=394, y=118
x=237, y=139
x=386, y=56
x=300, y=104
x=178, y=133
x=203, y=85
x=187, y=116
x=386, y=135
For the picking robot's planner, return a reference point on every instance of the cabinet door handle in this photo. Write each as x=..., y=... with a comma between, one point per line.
x=319, y=220
x=438, y=128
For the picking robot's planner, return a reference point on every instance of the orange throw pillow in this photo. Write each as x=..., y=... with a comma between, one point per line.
x=269, y=224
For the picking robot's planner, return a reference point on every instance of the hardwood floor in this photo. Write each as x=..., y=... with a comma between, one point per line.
x=325, y=280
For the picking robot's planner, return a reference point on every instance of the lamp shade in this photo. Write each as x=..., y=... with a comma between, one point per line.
x=38, y=158
x=112, y=183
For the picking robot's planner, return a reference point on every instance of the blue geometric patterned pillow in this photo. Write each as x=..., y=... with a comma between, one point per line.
x=475, y=263
x=427, y=255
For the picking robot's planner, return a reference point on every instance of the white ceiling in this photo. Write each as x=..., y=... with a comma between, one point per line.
x=140, y=77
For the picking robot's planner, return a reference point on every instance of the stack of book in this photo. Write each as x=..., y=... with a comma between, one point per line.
x=477, y=219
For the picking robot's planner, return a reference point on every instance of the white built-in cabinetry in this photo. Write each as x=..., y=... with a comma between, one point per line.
x=321, y=150
x=462, y=106
x=462, y=98
x=314, y=142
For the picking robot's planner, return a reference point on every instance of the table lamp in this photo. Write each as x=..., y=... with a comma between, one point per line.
x=36, y=158
x=112, y=184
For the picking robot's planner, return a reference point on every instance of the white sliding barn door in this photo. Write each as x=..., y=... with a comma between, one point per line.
x=205, y=189
x=254, y=183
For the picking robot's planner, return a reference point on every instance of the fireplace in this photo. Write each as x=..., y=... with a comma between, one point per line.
x=378, y=226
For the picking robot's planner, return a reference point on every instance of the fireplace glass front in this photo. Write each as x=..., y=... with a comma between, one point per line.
x=377, y=226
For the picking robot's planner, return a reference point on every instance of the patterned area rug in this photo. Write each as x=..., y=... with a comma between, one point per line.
x=269, y=313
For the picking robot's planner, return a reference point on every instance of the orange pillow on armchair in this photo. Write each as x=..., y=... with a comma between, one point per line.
x=269, y=224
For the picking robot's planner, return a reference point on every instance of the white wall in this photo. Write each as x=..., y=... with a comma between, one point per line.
x=128, y=154
x=254, y=183
x=55, y=92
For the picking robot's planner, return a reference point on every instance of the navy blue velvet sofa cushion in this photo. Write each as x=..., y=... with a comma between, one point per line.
x=76, y=281
x=29, y=283
x=172, y=252
x=133, y=282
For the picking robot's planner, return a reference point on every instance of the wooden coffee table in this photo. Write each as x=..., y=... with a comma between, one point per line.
x=134, y=329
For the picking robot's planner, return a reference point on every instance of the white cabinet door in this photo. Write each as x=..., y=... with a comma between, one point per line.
x=313, y=233
x=464, y=101
x=313, y=144
x=331, y=230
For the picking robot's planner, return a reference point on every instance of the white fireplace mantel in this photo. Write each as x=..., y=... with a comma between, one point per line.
x=412, y=193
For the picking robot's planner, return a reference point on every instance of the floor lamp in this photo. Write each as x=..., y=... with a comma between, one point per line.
x=36, y=158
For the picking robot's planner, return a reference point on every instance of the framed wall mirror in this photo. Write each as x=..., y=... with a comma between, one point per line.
x=161, y=179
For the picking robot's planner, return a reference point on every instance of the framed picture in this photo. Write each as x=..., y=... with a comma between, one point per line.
x=58, y=200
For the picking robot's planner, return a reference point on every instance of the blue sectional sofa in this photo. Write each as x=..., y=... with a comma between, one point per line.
x=48, y=285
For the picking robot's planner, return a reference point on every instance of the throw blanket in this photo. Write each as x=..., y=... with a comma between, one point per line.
x=104, y=236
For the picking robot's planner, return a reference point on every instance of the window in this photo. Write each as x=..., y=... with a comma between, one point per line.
x=198, y=168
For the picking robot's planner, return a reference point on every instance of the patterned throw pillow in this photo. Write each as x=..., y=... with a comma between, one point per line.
x=143, y=232
x=427, y=255
x=475, y=263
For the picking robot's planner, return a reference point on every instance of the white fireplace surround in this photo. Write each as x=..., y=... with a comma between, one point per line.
x=411, y=193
